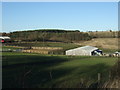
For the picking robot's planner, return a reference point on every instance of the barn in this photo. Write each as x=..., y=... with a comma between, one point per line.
x=85, y=51
x=4, y=39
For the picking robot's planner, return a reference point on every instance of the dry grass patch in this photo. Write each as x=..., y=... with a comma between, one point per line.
x=107, y=43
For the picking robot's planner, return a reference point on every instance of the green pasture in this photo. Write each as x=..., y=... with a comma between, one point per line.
x=23, y=70
x=9, y=47
x=65, y=46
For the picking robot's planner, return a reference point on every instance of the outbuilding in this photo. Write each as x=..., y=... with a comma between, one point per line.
x=4, y=39
x=85, y=51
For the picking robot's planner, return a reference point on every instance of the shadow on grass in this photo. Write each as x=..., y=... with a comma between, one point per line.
x=32, y=72
x=88, y=75
x=16, y=67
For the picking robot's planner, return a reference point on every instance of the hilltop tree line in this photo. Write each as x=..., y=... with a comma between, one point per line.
x=55, y=35
x=50, y=35
x=104, y=34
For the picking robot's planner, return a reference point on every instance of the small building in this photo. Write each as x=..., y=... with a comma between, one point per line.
x=4, y=39
x=116, y=53
x=85, y=51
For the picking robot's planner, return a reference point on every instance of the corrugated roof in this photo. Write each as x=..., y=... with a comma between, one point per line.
x=86, y=48
x=4, y=37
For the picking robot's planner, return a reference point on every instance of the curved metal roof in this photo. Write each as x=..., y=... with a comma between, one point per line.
x=85, y=48
x=4, y=37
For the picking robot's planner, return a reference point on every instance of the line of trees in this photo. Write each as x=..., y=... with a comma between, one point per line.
x=50, y=35
x=55, y=35
x=104, y=34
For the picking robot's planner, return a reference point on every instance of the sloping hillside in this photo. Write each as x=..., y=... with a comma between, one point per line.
x=107, y=43
x=104, y=34
x=52, y=35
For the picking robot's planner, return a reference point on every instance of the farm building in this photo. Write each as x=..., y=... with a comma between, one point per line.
x=4, y=39
x=85, y=51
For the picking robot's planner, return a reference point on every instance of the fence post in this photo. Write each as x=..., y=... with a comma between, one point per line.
x=99, y=77
x=50, y=75
x=109, y=75
x=81, y=80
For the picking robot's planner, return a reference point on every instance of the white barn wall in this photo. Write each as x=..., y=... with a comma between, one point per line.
x=82, y=51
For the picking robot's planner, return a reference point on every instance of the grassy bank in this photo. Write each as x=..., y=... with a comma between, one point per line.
x=41, y=71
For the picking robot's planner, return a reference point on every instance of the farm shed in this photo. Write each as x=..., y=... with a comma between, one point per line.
x=4, y=39
x=85, y=51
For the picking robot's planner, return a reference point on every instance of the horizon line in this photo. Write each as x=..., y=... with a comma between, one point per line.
x=57, y=29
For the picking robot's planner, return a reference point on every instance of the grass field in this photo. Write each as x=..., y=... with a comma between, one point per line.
x=22, y=70
x=105, y=44
x=18, y=46
x=65, y=46
x=10, y=47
